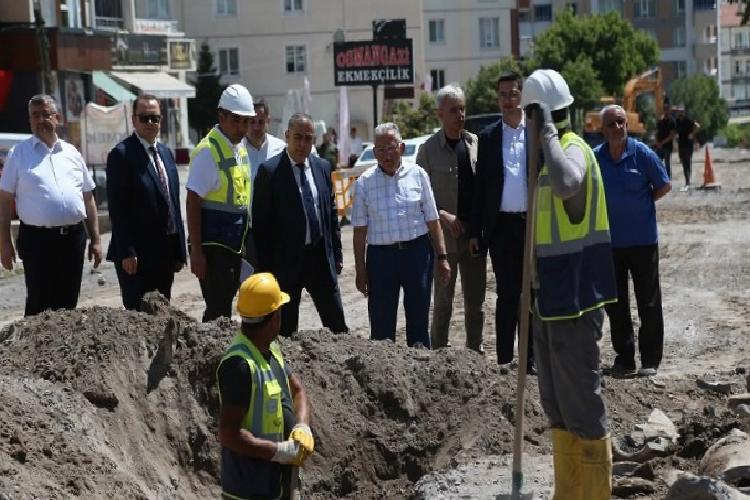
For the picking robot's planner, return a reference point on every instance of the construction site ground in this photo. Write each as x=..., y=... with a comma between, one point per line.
x=104, y=403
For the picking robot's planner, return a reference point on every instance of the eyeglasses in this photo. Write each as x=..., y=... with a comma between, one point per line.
x=149, y=118
x=619, y=122
x=385, y=149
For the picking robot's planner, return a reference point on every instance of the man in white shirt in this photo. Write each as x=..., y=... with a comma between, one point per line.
x=393, y=212
x=355, y=147
x=261, y=145
x=499, y=210
x=53, y=192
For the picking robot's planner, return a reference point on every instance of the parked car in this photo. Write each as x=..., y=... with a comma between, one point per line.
x=7, y=141
x=476, y=123
x=411, y=148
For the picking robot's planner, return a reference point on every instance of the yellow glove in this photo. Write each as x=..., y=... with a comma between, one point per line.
x=302, y=434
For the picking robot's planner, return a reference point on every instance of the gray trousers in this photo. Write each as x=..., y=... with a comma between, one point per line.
x=473, y=283
x=567, y=361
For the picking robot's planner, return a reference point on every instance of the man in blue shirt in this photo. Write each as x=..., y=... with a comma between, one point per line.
x=634, y=178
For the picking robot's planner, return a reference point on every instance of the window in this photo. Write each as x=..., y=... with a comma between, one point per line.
x=747, y=67
x=709, y=66
x=523, y=16
x=709, y=34
x=543, y=12
x=704, y=4
x=229, y=61
x=158, y=9
x=644, y=8
x=226, y=8
x=610, y=6
x=108, y=8
x=680, y=69
x=438, y=78
x=437, y=30
x=293, y=7
x=739, y=40
x=678, y=7
x=488, y=33
x=678, y=37
x=295, y=59
x=737, y=68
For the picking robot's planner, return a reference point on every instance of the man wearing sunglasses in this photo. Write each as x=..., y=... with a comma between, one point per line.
x=143, y=191
x=634, y=178
x=218, y=203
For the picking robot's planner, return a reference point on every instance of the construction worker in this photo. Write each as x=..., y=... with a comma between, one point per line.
x=218, y=203
x=263, y=420
x=574, y=279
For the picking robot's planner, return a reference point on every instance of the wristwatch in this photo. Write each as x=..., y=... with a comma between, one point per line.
x=442, y=256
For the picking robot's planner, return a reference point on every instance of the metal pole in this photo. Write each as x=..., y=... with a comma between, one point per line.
x=41, y=35
x=375, y=105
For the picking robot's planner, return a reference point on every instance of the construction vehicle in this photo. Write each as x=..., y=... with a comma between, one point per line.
x=645, y=83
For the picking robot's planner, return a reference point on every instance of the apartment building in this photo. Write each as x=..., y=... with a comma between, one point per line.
x=272, y=46
x=461, y=36
x=735, y=62
x=535, y=16
x=102, y=51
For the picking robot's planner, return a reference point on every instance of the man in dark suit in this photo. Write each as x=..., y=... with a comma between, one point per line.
x=499, y=210
x=297, y=235
x=148, y=238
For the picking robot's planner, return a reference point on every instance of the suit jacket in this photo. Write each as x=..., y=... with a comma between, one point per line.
x=279, y=223
x=488, y=183
x=439, y=160
x=138, y=206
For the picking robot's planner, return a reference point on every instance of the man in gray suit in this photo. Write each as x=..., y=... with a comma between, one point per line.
x=449, y=157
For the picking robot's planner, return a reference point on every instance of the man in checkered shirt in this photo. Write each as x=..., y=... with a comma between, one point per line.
x=395, y=218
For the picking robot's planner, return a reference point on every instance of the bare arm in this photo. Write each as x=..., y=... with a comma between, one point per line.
x=359, y=243
x=92, y=227
x=443, y=267
x=301, y=407
x=7, y=253
x=193, y=211
x=659, y=193
x=239, y=440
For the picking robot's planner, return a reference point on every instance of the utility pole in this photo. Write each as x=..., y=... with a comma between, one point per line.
x=41, y=37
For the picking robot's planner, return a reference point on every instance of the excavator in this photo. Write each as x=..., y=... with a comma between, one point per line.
x=646, y=83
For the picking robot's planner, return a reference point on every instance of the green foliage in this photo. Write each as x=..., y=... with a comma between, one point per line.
x=746, y=12
x=737, y=135
x=208, y=89
x=481, y=91
x=413, y=122
x=700, y=95
x=615, y=49
x=584, y=85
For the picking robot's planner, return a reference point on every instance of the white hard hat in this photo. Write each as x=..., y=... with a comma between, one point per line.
x=237, y=100
x=547, y=86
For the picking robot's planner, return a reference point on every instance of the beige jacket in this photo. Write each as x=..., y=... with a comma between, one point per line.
x=441, y=164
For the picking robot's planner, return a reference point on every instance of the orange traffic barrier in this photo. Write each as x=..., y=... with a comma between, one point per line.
x=342, y=185
x=709, y=180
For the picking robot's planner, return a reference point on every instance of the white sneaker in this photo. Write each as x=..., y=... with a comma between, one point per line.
x=685, y=188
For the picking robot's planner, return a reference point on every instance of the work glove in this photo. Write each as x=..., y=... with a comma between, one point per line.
x=302, y=434
x=544, y=112
x=289, y=452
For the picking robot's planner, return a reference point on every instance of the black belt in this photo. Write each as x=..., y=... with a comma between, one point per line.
x=402, y=245
x=62, y=230
x=512, y=215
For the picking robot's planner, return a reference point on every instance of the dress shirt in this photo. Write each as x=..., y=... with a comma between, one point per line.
x=310, y=182
x=48, y=183
x=394, y=208
x=271, y=147
x=355, y=146
x=204, y=175
x=157, y=168
x=514, y=194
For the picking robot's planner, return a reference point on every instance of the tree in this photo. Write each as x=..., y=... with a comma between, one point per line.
x=413, y=122
x=700, y=95
x=745, y=13
x=615, y=49
x=584, y=85
x=481, y=91
x=208, y=89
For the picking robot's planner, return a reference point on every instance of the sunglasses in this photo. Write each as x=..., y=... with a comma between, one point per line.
x=149, y=118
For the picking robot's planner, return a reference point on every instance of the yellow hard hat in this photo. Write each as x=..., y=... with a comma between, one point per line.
x=260, y=295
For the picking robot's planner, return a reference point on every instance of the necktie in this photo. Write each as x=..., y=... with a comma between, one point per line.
x=162, y=173
x=309, y=205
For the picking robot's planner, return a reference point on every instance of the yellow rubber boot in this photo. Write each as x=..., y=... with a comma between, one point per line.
x=596, y=468
x=566, y=453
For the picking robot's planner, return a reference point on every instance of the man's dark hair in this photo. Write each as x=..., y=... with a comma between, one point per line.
x=260, y=103
x=510, y=76
x=298, y=118
x=143, y=97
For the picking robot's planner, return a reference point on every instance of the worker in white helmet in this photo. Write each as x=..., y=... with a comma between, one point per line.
x=218, y=201
x=574, y=278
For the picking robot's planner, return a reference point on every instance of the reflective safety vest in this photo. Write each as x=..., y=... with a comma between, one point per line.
x=225, y=211
x=574, y=267
x=243, y=477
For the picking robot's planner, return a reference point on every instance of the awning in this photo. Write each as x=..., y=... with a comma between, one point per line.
x=161, y=85
x=112, y=88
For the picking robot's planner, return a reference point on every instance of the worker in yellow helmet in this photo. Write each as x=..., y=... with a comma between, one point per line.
x=263, y=422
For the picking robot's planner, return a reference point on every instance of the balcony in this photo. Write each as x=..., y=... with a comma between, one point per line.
x=156, y=26
x=111, y=23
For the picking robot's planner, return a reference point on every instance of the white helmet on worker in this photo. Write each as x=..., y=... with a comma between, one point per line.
x=546, y=86
x=237, y=99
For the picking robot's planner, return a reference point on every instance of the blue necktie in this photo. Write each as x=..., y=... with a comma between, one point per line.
x=309, y=204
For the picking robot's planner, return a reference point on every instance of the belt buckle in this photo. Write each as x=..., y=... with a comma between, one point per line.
x=401, y=245
x=64, y=230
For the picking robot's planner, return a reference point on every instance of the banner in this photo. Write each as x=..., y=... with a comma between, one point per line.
x=343, y=144
x=373, y=62
x=103, y=127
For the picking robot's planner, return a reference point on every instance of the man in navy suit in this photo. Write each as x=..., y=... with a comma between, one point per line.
x=297, y=235
x=499, y=210
x=148, y=238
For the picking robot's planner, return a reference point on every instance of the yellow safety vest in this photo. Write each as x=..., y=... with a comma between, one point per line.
x=573, y=261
